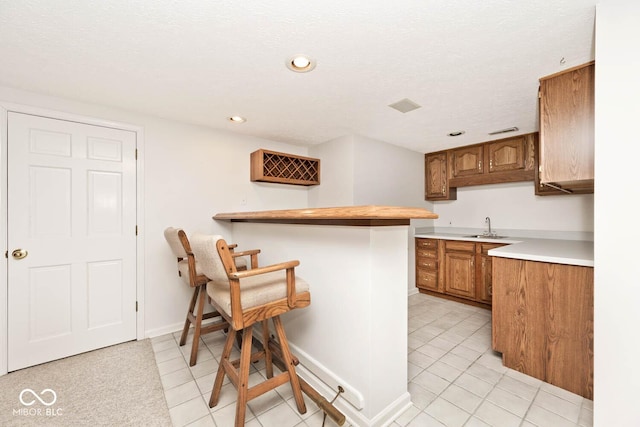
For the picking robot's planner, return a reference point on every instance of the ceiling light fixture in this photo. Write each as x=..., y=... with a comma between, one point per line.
x=456, y=133
x=237, y=119
x=300, y=63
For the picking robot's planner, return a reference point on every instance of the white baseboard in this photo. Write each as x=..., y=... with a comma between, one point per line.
x=169, y=329
x=326, y=383
x=413, y=291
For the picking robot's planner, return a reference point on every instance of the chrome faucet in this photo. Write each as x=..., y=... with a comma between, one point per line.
x=487, y=222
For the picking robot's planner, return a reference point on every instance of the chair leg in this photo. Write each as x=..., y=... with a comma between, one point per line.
x=217, y=384
x=267, y=351
x=198, y=325
x=187, y=323
x=286, y=355
x=243, y=375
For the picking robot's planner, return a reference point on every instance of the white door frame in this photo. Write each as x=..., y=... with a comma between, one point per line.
x=5, y=107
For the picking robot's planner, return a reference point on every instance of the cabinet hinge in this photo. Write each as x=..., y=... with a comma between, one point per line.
x=136, y=229
x=6, y=254
x=136, y=154
x=136, y=306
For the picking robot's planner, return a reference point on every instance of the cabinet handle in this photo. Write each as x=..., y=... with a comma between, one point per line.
x=491, y=164
x=480, y=165
x=490, y=290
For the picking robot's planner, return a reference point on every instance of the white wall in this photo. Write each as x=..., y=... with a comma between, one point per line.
x=514, y=206
x=386, y=174
x=617, y=270
x=336, y=173
x=191, y=173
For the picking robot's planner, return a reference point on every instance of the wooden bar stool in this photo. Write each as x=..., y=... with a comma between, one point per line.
x=189, y=271
x=244, y=298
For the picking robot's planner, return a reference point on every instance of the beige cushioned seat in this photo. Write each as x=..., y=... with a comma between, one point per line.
x=171, y=235
x=254, y=290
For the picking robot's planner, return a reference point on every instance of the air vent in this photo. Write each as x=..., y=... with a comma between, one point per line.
x=513, y=129
x=405, y=105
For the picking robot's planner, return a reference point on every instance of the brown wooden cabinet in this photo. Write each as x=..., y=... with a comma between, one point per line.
x=504, y=160
x=542, y=321
x=460, y=268
x=436, y=177
x=511, y=154
x=484, y=288
x=455, y=269
x=567, y=113
x=467, y=161
x=427, y=264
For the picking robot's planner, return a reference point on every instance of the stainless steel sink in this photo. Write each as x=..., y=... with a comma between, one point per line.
x=485, y=236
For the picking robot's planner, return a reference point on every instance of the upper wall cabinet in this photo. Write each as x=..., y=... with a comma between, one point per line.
x=467, y=161
x=505, y=160
x=567, y=129
x=436, y=177
x=493, y=162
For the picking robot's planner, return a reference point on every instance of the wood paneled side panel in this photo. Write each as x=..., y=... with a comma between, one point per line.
x=569, y=341
x=517, y=323
x=543, y=321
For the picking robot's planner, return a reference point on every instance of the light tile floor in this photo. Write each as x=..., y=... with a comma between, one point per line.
x=455, y=379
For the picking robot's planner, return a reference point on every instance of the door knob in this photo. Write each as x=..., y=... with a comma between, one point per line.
x=19, y=253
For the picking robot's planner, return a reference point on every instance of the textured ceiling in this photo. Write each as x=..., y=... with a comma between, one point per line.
x=472, y=65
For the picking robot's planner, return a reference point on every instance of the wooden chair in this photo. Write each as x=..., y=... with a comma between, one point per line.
x=189, y=271
x=245, y=298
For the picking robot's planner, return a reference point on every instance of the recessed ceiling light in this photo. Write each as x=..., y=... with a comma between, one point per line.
x=456, y=133
x=237, y=119
x=300, y=63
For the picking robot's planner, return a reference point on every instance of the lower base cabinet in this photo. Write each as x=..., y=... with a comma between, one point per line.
x=455, y=269
x=542, y=321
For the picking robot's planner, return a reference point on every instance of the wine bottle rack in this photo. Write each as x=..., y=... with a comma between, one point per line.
x=283, y=168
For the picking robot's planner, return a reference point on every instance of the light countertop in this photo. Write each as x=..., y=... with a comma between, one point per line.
x=572, y=252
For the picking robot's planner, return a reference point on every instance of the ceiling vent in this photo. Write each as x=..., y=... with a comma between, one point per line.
x=405, y=105
x=498, y=132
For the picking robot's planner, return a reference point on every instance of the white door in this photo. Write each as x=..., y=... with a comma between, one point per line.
x=72, y=211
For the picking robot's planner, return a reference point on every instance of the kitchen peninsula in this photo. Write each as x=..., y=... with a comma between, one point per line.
x=541, y=296
x=354, y=333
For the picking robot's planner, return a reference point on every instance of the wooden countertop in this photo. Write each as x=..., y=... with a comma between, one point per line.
x=371, y=215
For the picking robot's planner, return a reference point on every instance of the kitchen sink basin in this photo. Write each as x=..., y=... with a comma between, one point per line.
x=486, y=236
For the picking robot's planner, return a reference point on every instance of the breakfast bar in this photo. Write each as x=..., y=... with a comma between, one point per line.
x=354, y=333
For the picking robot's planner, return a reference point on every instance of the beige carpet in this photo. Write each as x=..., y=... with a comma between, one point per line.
x=113, y=386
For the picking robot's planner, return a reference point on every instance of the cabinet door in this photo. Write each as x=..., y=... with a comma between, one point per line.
x=484, y=288
x=436, y=177
x=567, y=126
x=467, y=161
x=460, y=274
x=507, y=155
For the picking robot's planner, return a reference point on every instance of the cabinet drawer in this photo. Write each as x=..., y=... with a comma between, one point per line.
x=426, y=244
x=428, y=263
x=426, y=253
x=426, y=278
x=455, y=245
